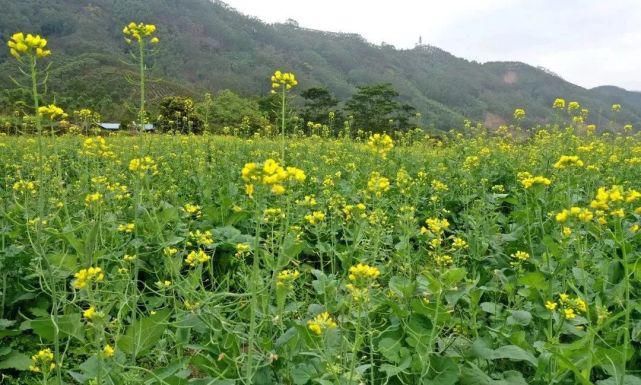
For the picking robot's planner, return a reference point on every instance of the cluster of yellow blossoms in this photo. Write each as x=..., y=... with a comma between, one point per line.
x=559, y=104
x=97, y=147
x=357, y=210
x=528, y=180
x=34, y=45
x=91, y=313
x=568, y=161
x=52, y=111
x=193, y=210
x=321, y=323
x=519, y=114
x=140, y=31
x=196, y=258
x=363, y=273
x=380, y=144
x=439, y=186
x=315, y=217
x=613, y=200
x=93, y=199
x=574, y=106
x=42, y=361
x=287, y=80
x=521, y=256
x=242, y=249
x=606, y=197
x=87, y=276
x=308, y=201
x=202, y=238
x=85, y=113
x=273, y=214
x=143, y=166
x=270, y=174
x=286, y=278
x=435, y=226
x=362, y=277
x=24, y=186
x=518, y=258
x=127, y=228
x=108, y=351
x=583, y=214
x=570, y=306
x=377, y=184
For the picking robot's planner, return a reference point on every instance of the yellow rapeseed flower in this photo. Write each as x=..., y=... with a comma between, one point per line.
x=315, y=217
x=519, y=113
x=321, y=323
x=551, y=305
x=285, y=278
x=286, y=80
x=567, y=161
x=139, y=32
x=30, y=45
x=43, y=361
x=87, y=276
x=196, y=258
x=380, y=144
x=108, y=351
x=559, y=104
x=377, y=184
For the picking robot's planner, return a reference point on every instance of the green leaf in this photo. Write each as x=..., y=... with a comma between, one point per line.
x=444, y=372
x=519, y=317
x=17, y=361
x=393, y=370
x=69, y=325
x=402, y=286
x=534, y=280
x=473, y=375
x=514, y=353
x=67, y=262
x=627, y=380
x=491, y=307
x=5, y=323
x=144, y=334
x=291, y=248
x=303, y=373
x=390, y=348
x=453, y=276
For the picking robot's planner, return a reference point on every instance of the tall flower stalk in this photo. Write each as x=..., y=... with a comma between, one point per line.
x=282, y=83
x=27, y=49
x=143, y=35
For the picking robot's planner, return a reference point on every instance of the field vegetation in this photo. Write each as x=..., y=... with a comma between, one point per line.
x=326, y=255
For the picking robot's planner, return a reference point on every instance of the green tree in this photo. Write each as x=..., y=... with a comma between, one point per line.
x=177, y=114
x=319, y=102
x=373, y=106
x=228, y=109
x=403, y=117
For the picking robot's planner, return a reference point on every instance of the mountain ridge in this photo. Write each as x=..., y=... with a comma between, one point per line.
x=209, y=46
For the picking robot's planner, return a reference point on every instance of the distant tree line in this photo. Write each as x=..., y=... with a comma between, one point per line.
x=373, y=108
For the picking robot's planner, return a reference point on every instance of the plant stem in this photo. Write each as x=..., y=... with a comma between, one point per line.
x=141, y=117
x=282, y=122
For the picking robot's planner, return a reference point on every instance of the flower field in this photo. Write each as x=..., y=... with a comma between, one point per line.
x=162, y=259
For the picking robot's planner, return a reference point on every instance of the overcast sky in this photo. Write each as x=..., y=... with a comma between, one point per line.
x=587, y=42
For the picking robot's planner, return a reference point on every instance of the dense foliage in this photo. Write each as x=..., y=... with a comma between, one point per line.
x=178, y=115
x=162, y=259
x=208, y=47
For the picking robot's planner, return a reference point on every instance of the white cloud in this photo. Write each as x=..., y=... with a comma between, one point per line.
x=588, y=42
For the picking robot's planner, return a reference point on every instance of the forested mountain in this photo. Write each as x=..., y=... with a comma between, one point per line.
x=207, y=47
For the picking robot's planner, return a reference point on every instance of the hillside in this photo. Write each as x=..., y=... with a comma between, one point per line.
x=207, y=46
